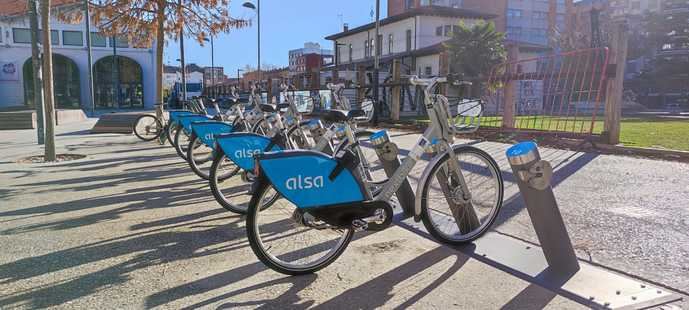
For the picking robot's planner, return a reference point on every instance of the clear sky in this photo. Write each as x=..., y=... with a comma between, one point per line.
x=285, y=25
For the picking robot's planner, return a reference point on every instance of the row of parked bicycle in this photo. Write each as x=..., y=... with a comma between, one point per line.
x=307, y=181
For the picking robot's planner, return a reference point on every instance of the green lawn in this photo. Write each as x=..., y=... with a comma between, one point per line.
x=655, y=132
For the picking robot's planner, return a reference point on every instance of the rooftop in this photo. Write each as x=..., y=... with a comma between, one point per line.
x=424, y=11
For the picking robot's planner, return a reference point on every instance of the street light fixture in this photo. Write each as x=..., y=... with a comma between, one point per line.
x=257, y=8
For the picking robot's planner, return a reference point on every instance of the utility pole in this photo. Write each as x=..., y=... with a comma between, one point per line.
x=35, y=63
x=376, y=67
x=90, y=57
x=49, y=155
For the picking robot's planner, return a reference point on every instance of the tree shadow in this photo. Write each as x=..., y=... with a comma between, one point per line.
x=375, y=293
x=148, y=249
x=144, y=199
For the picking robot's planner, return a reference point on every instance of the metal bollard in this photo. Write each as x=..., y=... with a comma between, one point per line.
x=533, y=177
x=387, y=151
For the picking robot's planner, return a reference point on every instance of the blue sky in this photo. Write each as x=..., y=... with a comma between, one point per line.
x=285, y=25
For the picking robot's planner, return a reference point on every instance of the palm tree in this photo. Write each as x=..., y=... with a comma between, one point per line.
x=473, y=51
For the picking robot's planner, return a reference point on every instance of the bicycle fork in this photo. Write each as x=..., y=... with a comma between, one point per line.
x=456, y=191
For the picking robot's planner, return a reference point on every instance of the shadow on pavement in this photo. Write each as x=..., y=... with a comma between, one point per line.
x=149, y=249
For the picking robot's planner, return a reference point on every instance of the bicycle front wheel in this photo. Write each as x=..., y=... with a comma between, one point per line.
x=449, y=213
x=182, y=142
x=148, y=127
x=286, y=242
x=172, y=129
x=200, y=157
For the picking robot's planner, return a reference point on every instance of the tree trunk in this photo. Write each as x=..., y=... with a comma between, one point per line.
x=48, y=83
x=36, y=66
x=160, y=46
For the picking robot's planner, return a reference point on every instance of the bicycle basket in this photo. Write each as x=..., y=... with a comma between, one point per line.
x=464, y=115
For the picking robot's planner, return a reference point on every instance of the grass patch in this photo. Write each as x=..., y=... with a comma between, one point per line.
x=656, y=132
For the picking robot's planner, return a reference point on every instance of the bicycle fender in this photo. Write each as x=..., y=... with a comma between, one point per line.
x=241, y=147
x=185, y=121
x=208, y=130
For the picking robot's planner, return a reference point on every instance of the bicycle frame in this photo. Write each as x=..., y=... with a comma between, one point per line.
x=436, y=139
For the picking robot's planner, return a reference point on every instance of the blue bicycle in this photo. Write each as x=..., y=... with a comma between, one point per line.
x=317, y=201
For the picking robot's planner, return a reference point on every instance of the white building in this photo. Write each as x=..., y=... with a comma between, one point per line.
x=414, y=36
x=124, y=82
x=195, y=79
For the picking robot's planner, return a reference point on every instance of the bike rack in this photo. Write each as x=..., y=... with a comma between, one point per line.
x=388, y=152
x=592, y=286
x=533, y=177
x=317, y=131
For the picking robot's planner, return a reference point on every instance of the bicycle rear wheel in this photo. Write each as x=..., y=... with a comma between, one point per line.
x=148, y=127
x=455, y=217
x=281, y=240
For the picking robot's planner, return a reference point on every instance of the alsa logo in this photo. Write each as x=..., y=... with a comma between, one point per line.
x=302, y=182
x=244, y=153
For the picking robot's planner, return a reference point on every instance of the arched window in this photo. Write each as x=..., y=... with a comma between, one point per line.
x=65, y=83
x=118, y=83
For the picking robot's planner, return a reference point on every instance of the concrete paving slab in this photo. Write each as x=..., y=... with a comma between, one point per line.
x=131, y=227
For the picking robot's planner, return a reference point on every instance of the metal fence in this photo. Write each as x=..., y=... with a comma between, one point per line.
x=561, y=93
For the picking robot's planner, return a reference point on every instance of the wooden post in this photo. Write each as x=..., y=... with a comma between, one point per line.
x=269, y=91
x=336, y=76
x=361, y=80
x=615, y=86
x=510, y=87
x=396, y=91
x=444, y=70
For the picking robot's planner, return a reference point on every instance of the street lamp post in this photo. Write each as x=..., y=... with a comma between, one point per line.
x=212, y=66
x=239, y=78
x=257, y=8
x=376, y=66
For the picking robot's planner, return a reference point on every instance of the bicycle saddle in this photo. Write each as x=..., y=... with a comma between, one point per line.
x=267, y=108
x=342, y=115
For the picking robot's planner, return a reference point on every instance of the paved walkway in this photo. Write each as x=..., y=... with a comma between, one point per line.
x=131, y=227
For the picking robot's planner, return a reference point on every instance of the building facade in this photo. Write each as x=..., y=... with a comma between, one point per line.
x=123, y=76
x=213, y=75
x=673, y=56
x=306, y=62
x=528, y=21
x=415, y=37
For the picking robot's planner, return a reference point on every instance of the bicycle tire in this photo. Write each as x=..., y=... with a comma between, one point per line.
x=179, y=145
x=256, y=242
x=172, y=129
x=474, y=234
x=193, y=141
x=145, y=135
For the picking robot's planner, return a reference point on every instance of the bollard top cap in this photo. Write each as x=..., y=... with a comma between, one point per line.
x=379, y=137
x=522, y=153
